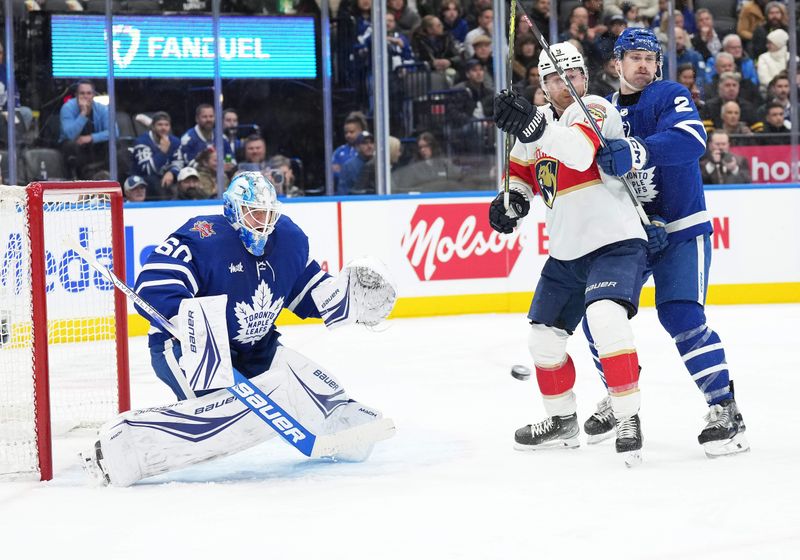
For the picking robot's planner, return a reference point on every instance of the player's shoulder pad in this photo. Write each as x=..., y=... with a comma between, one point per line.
x=205, y=229
x=599, y=108
x=667, y=90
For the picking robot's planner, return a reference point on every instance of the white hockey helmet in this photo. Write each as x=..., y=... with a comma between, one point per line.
x=248, y=194
x=566, y=54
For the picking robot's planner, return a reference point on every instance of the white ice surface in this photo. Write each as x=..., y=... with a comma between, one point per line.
x=449, y=485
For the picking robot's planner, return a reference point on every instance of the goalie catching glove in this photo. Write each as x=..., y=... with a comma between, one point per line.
x=363, y=293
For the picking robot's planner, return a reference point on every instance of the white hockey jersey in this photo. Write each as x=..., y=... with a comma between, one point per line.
x=586, y=209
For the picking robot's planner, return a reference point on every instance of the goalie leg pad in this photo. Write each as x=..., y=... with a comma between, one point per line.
x=143, y=443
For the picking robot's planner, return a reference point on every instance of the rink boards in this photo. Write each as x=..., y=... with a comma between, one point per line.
x=446, y=259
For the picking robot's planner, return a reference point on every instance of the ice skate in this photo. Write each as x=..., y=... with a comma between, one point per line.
x=600, y=425
x=629, y=439
x=550, y=433
x=724, y=432
x=92, y=463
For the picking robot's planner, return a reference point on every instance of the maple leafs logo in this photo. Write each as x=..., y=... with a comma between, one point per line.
x=256, y=320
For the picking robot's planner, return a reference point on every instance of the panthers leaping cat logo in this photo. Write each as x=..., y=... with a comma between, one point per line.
x=546, y=175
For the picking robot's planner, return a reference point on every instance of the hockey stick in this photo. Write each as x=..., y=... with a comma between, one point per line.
x=299, y=437
x=512, y=27
x=579, y=100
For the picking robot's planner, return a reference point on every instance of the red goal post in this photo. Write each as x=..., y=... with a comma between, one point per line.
x=63, y=326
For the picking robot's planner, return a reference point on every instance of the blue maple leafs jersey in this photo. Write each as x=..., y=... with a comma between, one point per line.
x=205, y=257
x=666, y=118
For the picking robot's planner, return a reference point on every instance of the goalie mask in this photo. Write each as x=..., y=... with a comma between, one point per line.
x=567, y=56
x=252, y=208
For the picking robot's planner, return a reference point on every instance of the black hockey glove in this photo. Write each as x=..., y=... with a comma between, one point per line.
x=505, y=221
x=515, y=115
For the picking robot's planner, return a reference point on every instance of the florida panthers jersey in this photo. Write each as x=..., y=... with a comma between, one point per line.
x=586, y=209
x=664, y=115
x=205, y=257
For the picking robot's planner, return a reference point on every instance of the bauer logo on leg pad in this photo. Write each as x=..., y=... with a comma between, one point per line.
x=272, y=413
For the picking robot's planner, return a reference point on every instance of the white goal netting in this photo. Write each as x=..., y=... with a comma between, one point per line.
x=81, y=327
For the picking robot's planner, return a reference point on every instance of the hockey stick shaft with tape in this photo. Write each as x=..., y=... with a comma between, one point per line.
x=509, y=74
x=308, y=443
x=546, y=47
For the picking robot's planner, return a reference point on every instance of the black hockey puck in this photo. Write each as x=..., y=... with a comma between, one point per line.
x=520, y=372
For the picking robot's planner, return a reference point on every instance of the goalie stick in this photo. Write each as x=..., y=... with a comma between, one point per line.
x=546, y=47
x=286, y=426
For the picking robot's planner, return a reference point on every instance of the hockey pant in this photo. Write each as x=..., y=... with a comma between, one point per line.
x=143, y=443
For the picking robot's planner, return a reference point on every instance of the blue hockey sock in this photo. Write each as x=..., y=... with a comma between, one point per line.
x=593, y=349
x=699, y=346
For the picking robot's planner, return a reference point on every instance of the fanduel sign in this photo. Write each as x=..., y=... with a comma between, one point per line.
x=184, y=47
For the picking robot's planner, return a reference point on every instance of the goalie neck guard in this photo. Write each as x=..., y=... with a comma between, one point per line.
x=252, y=208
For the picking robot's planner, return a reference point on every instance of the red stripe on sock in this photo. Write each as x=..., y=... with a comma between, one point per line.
x=557, y=380
x=622, y=371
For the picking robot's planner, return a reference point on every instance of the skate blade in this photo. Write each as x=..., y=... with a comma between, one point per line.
x=737, y=444
x=633, y=458
x=597, y=438
x=571, y=443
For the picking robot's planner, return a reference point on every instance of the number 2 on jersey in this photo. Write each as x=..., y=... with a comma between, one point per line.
x=682, y=105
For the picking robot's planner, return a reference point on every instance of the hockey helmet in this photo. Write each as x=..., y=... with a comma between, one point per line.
x=639, y=39
x=566, y=54
x=252, y=208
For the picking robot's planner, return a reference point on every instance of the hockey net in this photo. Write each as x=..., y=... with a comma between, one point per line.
x=63, y=330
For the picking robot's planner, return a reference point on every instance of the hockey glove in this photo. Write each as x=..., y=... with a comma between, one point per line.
x=656, y=235
x=621, y=155
x=515, y=115
x=504, y=221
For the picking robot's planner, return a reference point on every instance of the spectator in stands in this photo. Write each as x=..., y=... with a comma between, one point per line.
x=255, y=154
x=538, y=97
x=524, y=55
x=686, y=55
x=540, y=16
x=485, y=22
x=398, y=44
x=365, y=146
x=363, y=40
x=728, y=91
x=724, y=62
x=684, y=16
x=777, y=18
x=732, y=44
x=25, y=113
x=354, y=124
x=407, y=19
x=579, y=31
x=230, y=132
x=661, y=27
x=606, y=81
x=483, y=54
x=188, y=185
x=453, y=21
x=282, y=176
x=429, y=172
x=750, y=16
x=604, y=44
x=774, y=123
x=476, y=102
x=706, y=41
x=594, y=9
x=778, y=92
x=437, y=48
x=687, y=77
x=775, y=60
x=731, y=119
x=719, y=166
x=532, y=82
x=473, y=10
x=365, y=183
x=631, y=13
x=135, y=189
x=84, y=132
x=153, y=154
x=206, y=162
x=200, y=137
